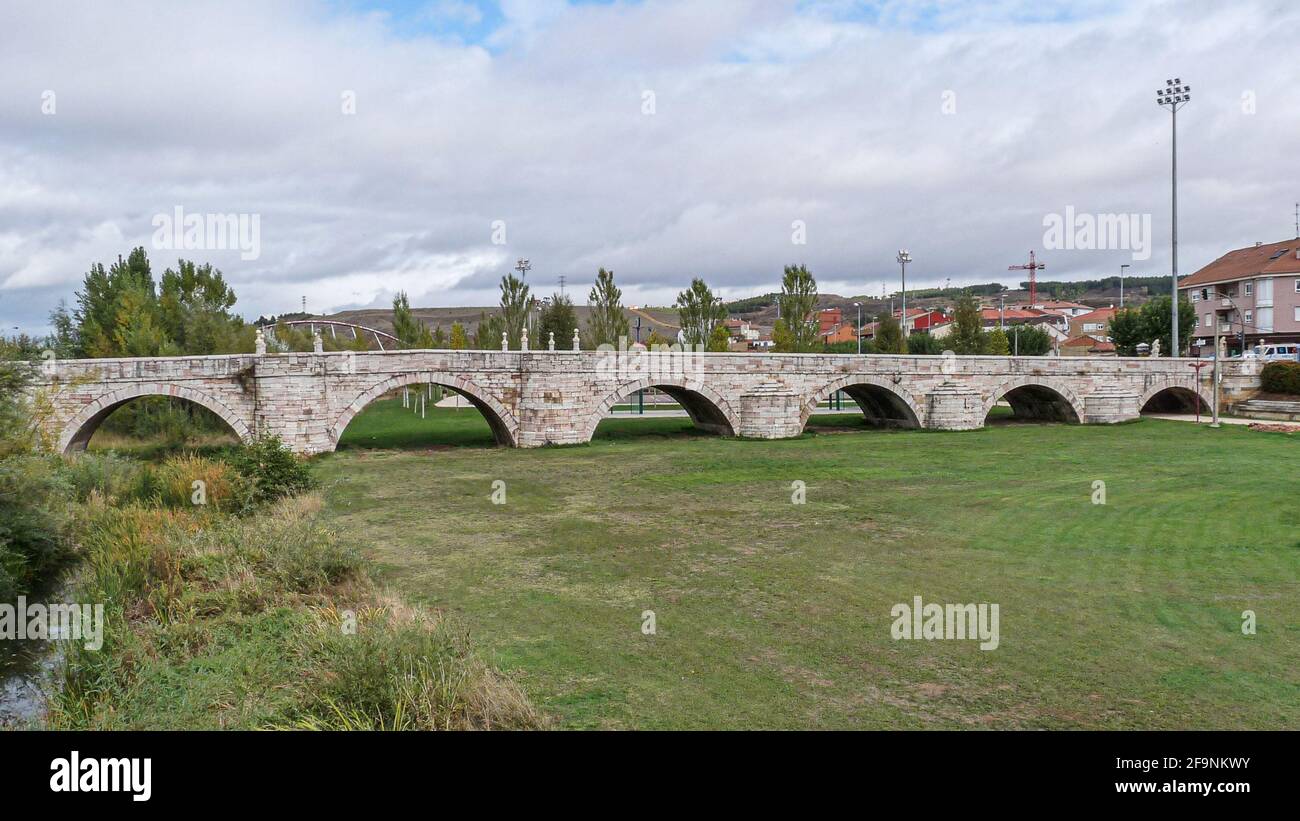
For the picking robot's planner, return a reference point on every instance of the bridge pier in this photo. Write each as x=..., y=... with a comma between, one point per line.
x=1109, y=406
x=952, y=406
x=770, y=411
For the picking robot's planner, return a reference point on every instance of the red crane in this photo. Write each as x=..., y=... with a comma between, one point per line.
x=1033, y=267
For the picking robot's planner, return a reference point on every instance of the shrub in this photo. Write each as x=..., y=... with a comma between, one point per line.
x=1281, y=377
x=34, y=521
x=272, y=469
x=223, y=622
x=223, y=487
x=114, y=478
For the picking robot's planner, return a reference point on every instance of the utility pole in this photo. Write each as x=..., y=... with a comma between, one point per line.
x=858, y=305
x=1121, y=283
x=561, y=284
x=1174, y=96
x=904, y=257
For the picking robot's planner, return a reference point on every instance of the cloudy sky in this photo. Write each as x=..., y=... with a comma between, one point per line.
x=426, y=145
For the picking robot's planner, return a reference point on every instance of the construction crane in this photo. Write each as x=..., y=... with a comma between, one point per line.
x=1033, y=268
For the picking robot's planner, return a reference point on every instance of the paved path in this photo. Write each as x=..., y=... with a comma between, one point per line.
x=1205, y=418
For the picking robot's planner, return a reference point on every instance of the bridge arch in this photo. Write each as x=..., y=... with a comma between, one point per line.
x=1038, y=397
x=882, y=402
x=78, y=430
x=706, y=407
x=1172, y=396
x=505, y=428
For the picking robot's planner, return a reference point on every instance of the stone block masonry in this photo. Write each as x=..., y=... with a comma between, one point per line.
x=546, y=397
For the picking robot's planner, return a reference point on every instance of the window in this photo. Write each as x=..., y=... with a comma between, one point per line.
x=1264, y=320
x=1250, y=289
x=1249, y=317
x=1297, y=313
x=1297, y=285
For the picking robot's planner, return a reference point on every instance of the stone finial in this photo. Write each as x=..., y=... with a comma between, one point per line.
x=1155, y=348
x=317, y=344
x=261, y=343
x=576, y=345
x=550, y=343
x=505, y=341
x=523, y=339
x=1223, y=348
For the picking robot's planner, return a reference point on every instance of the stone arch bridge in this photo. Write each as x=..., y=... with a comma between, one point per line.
x=558, y=397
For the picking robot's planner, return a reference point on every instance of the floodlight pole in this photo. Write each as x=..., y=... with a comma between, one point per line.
x=1174, y=95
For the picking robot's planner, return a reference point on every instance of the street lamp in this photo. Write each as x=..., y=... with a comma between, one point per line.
x=523, y=266
x=904, y=257
x=1174, y=96
x=1121, y=283
x=858, y=305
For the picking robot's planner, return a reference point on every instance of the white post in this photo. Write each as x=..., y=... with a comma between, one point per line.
x=505, y=341
x=551, y=342
x=576, y=346
x=316, y=344
x=261, y=343
x=523, y=339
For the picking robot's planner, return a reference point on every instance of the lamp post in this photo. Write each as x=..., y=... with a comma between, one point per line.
x=1121, y=283
x=858, y=305
x=1224, y=302
x=1174, y=96
x=904, y=257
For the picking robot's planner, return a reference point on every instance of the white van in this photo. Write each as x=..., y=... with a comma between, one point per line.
x=1281, y=352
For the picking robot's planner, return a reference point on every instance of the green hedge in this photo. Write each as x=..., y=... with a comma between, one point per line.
x=1281, y=377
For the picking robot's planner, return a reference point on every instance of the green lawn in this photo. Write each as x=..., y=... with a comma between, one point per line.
x=771, y=614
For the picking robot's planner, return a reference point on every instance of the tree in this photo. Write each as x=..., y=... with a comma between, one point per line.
x=967, y=335
x=796, y=304
x=719, y=339
x=924, y=344
x=656, y=339
x=607, y=322
x=487, y=334
x=515, y=303
x=996, y=343
x=439, y=337
x=410, y=331
x=99, y=303
x=889, y=336
x=1029, y=340
x=194, y=305
x=137, y=331
x=1126, y=331
x=700, y=312
x=559, y=318
x=1150, y=322
x=782, y=339
x=459, y=341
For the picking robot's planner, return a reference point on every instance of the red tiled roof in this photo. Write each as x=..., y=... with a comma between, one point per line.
x=1248, y=262
x=1100, y=313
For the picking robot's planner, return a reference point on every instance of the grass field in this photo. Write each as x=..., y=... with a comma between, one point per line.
x=773, y=614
